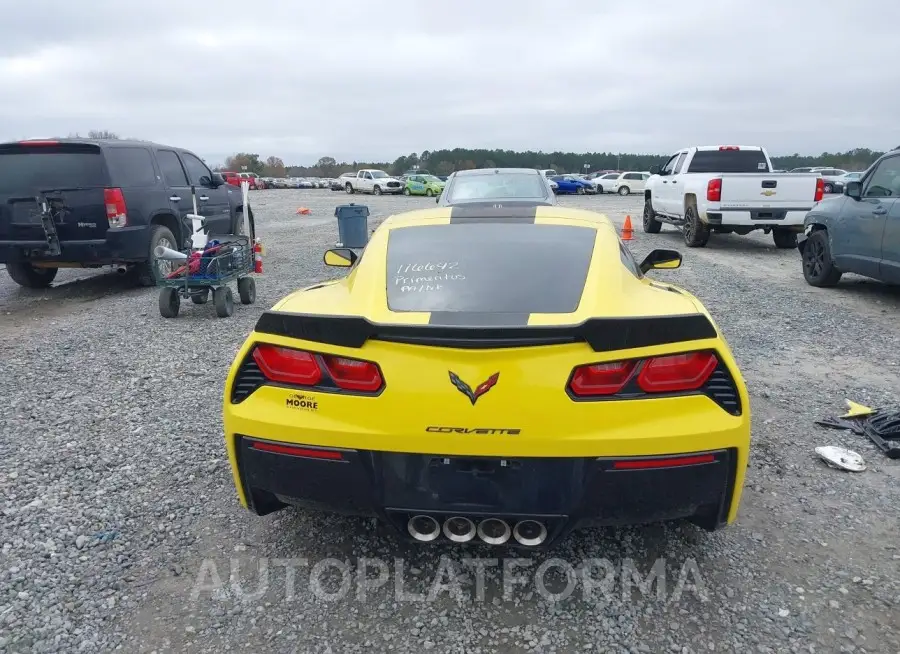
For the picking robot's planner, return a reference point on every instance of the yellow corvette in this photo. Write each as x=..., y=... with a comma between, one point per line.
x=504, y=375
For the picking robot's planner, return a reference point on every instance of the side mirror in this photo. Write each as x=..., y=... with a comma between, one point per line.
x=661, y=259
x=853, y=190
x=205, y=181
x=340, y=257
x=654, y=170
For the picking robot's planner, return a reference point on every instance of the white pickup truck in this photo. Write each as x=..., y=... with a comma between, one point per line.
x=728, y=189
x=373, y=181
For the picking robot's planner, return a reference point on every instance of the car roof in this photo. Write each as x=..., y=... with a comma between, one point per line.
x=494, y=171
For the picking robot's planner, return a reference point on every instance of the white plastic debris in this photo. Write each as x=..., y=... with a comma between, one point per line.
x=842, y=458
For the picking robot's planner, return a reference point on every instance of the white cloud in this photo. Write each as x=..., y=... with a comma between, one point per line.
x=362, y=80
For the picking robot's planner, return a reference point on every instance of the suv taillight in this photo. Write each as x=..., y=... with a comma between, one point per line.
x=714, y=190
x=820, y=189
x=116, y=212
x=293, y=367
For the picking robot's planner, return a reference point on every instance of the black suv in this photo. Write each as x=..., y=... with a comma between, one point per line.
x=91, y=203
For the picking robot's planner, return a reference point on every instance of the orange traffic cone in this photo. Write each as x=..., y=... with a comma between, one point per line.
x=627, y=231
x=303, y=211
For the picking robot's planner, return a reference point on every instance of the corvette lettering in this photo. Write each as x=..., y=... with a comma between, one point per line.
x=474, y=430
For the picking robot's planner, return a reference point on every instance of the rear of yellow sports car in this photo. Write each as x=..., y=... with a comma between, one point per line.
x=503, y=375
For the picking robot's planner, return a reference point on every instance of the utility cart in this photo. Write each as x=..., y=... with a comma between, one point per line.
x=201, y=272
x=209, y=272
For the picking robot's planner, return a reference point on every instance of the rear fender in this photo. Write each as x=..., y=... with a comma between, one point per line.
x=168, y=220
x=807, y=230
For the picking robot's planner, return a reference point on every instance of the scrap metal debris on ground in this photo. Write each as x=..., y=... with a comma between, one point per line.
x=840, y=457
x=881, y=426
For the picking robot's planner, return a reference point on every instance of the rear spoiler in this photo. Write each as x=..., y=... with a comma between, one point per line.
x=602, y=334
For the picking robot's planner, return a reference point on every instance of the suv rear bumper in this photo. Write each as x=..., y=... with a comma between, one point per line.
x=127, y=244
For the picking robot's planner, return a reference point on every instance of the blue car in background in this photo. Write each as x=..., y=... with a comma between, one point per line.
x=572, y=184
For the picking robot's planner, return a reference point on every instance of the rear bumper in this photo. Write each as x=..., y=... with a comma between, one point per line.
x=563, y=493
x=757, y=217
x=120, y=245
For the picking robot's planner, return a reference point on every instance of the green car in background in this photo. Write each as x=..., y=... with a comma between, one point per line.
x=423, y=185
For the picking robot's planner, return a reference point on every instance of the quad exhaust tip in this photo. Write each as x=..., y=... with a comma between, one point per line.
x=423, y=528
x=530, y=533
x=494, y=531
x=459, y=529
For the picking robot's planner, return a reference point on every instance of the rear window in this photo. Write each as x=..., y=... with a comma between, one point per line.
x=131, y=167
x=496, y=186
x=47, y=168
x=728, y=161
x=488, y=267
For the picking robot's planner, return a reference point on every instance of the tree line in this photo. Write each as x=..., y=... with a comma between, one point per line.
x=444, y=162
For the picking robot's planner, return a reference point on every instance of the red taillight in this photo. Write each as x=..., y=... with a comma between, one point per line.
x=820, y=189
x=292, y=450
x=353, y=374
x=665, y=374
x=287, y=366
x=116, y=211
x=667, y=462
x=714, y=190
x=728, y=147
x=679, y=372
x=601, y=378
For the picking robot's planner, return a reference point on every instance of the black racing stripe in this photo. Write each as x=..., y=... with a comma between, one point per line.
x=602, y=334
x=493, y=213
x=479, y=319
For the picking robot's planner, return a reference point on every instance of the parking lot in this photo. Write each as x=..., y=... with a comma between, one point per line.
x=119, y=505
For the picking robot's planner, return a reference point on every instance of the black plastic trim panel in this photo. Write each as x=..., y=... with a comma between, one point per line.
x=602, y=334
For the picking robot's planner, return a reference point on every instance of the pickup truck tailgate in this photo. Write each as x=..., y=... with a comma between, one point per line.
x=784, y=191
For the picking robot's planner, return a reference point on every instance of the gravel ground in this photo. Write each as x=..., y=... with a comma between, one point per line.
x=120, y=517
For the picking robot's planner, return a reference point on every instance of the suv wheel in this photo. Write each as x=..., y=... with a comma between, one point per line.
x=163, y=236
x=818, y=266
x=24, y=274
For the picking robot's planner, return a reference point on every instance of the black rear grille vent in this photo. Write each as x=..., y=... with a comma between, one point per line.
x=248, y=379
x=721, y=389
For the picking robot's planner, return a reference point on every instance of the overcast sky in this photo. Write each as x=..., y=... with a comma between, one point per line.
x=376, y=80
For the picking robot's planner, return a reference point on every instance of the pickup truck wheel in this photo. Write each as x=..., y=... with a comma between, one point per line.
x=159, y=235
x=377, y=190
x=24, y=274
x=818, y=266
x=651, y=224
x=784, y=239
x=624, y=190
x=696, y=234
x=349, y=188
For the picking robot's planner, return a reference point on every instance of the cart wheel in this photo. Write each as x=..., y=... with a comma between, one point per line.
x=247, y=290
x=200, y=297
x=169, y=303
x=224, y=301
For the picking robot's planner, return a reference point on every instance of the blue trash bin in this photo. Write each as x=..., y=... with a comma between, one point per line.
x=353, y=225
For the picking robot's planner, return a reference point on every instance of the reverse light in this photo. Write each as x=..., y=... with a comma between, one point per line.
x=116, y=211
x=714, y=190
x=353, y=374
x=665, y=374
x=287, y=366
x=820, y=189
x=679, y=372
x=601, y=378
